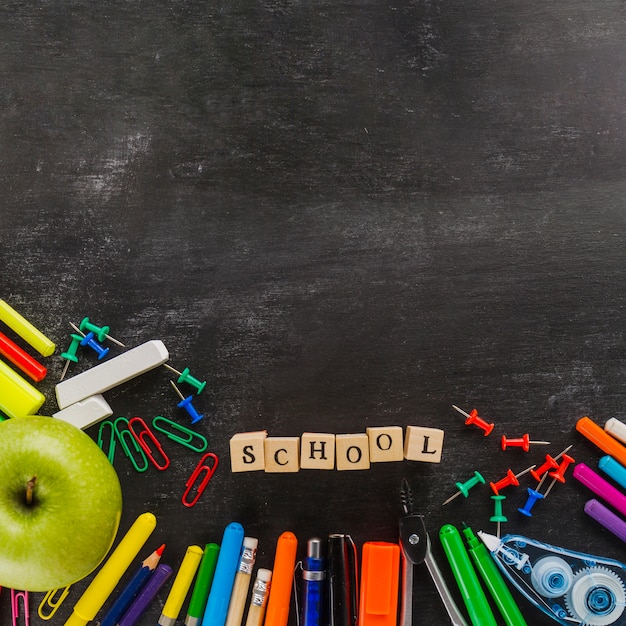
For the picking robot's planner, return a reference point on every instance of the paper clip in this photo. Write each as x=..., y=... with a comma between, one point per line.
x=110, y=452
x=200, y=468
x=183, y=441
x=141, y=436
x=49, y=600
x=15, y=607
x=127, y=439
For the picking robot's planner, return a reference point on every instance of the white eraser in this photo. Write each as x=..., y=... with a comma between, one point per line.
x=85, y=413
x=112, y=373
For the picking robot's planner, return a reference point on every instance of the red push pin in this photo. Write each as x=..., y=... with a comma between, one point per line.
x=472, y=418
x=509, y=480
x=550, y=464
x=559, y=474
x=522, y=442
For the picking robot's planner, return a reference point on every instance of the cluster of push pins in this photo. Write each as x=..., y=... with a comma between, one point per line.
x=553, y=467
x=92, y=336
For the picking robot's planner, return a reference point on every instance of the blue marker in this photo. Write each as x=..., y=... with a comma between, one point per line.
x=224, y=578
x=613, y=469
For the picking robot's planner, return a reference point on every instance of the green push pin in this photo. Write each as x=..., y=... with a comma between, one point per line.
x=70, y=354
x=101, y=332
x=497, y=516
x=186, y=377
x=464, y=488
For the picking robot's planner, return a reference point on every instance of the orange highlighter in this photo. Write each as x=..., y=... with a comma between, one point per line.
x=280, y=592
x=602, y=439
x=380, y=575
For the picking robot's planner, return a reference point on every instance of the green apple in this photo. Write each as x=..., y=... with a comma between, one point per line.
x=60, y=504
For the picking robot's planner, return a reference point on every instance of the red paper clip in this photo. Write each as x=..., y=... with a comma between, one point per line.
x=141, y=436
x=16, y=596
x=201, y=467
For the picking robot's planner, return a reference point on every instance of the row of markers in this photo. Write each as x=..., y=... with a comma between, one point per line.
x=609, y=510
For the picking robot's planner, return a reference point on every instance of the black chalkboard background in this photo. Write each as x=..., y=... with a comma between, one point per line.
x=341, y=215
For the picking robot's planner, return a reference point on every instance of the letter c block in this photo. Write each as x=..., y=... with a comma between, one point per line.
x=282, y=454
x=247, y=451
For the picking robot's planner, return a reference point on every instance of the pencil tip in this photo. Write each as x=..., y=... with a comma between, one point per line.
x=160, y=550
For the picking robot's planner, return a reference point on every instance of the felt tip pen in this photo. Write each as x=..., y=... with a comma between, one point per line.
x=202, y=586
x=180, y=586
x=224, y=578
x=465, y=576
x=145, y=597
x=493, y=580
x=313, y=579
x=343, y=597
x=279, y=600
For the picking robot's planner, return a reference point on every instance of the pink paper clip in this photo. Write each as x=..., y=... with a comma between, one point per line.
x=15, y=607
x=141, y=436
x=200, y=468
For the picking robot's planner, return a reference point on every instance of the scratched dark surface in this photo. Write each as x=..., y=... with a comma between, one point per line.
x=341, y=215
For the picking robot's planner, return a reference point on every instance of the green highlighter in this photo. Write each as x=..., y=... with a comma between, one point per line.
x=493, y=579
x=466, y=578
x=200, y=593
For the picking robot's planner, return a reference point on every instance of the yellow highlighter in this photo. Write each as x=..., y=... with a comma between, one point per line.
x=107, y=578
x=17, y=396
x=25, y=330
x=180, y=586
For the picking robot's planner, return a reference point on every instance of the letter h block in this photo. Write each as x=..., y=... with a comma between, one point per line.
x=317, y=451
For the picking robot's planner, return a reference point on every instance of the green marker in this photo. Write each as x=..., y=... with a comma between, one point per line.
x=201, y=589
x=493, y=580
x=466, y=578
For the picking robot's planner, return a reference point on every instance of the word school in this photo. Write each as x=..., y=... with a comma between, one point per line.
x=255, y=451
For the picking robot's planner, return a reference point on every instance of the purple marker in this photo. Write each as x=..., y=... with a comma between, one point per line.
x=607, y=518
x=146, y=595
x=600, y=487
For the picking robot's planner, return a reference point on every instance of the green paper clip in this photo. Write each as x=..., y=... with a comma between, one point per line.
x=123, y=435
x=177, y=428
x=101, y=440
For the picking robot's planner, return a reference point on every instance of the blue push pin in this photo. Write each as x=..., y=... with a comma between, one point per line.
x=533, y=496
x=89, y=340
x=185, y=403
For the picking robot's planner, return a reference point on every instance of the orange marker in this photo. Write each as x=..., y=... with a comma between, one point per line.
x=282, y=580
x=380, y=574
x=602, y=439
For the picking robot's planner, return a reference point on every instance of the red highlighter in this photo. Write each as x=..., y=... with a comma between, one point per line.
x=380, y=575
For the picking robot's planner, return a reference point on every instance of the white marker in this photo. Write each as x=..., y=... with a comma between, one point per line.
x=86, y=412
x=112, y=373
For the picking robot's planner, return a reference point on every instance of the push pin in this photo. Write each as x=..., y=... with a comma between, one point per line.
x=464, y=488
x=559, y=474
x=185, y=403
x=186, y=377
x=89, y=340
x=509, y=480
x=70, y=355
x=549, y=464
x=533, y=497
x=497, y=516
x=101, y=332
x=523, y=442
x=472, y=418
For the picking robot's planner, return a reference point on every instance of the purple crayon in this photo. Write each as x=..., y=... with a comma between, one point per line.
x=146, y=595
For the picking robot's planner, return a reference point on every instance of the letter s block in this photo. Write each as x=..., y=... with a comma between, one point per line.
x=282, y=454
x=317, y=451
x=247, y=451
x=423, y=444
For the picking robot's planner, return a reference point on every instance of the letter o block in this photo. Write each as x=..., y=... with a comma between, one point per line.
x=282, y=454
x=353, y=452
x=247, y=451
x=317, y=451
x=386, y=443
x=423, y=444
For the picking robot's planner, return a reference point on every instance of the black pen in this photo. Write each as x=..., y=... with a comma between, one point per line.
x=342, y=580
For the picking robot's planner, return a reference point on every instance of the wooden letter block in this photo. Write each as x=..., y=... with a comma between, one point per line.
x=247, y=451
x=386, y=443
x=353, y=452
x=282, y=454
x=423, y=444
x=317, y=451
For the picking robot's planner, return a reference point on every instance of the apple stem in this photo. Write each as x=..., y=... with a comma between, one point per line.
x=30, y=487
